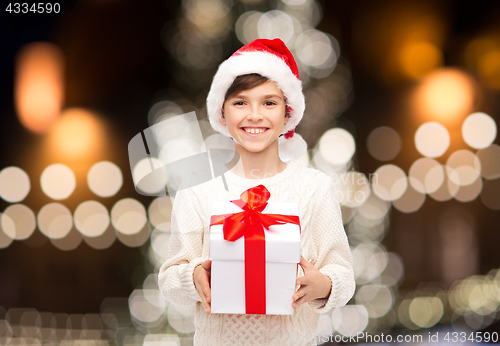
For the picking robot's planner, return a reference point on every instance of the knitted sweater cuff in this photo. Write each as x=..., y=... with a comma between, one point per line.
x=187, y=278
x=324, y=305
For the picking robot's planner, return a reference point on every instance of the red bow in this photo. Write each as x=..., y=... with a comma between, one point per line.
x=250, y=223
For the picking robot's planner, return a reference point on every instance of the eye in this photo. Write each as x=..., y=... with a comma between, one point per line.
x=238, y=103
x=270, y=103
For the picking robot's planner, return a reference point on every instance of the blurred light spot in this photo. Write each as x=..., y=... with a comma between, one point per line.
x=374, y=208
x=347, y=214
x=142, y=309
x=353, y=189
x=376, y=298
x=426, y=175
x=181, y=318
x=159, y=244
x=394, y=270
x=93, y=326
x=105, y=179
x=320, y=163
x=209, y=16
x=337, y=146
x=145, y=167
x=477, y=49
x=410, y=201
x=275, y=24
x=426, y=311
x=444, y=95
x=314, y=48
x=159, y=213
x=58, y=181
x=219, y=141
x=324, y=330
x=419, y=58
x=463, y=167
x=384, y=143
x=163, y=110
x=367, y=230
x=489, y=68
x=490, y=161
x=39, y=82
x=137, y=239
x=404, y=314
x=76, y=134
x=55, y=220
x=246, y=26
x=5, y=240
x=14, y=184
x=151, y=282
x=446, y=191
x=18, y=221
x=166, y=339
x=490, y=194
x=390, y=182
x=195, y=51
x=30, y=323
x=369, y=260
x=91, y=218
x=432, y=139
x=350, y=319
x=103, y=241
x=178, y=149
x=479, y=130
x=69, y=242
x=470, y=192
x=128, y=216
x=295, y=2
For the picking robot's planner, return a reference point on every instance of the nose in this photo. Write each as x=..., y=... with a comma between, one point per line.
x=254, y=114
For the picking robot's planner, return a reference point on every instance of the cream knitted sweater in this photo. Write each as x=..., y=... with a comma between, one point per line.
x=323, y=242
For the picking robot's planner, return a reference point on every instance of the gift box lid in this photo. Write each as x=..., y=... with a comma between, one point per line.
x=282, y=241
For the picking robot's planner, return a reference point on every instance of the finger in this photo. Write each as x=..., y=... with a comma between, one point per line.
x=300, y=293
x=208, y=296
x=303, y=262
x=303, y=280
x=207, y=265
x=205, y=303
x=300, y=301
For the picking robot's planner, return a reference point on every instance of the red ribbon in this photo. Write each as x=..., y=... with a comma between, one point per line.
x=250, y=223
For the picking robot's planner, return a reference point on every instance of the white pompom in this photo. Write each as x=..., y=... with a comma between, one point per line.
x=291, y=148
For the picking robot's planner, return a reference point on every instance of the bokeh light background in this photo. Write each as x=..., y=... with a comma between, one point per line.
x=402, y=110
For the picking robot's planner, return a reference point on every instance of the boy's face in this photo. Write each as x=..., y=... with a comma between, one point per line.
x=261, y=107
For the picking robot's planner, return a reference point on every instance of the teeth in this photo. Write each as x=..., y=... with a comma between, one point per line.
x=255, y=130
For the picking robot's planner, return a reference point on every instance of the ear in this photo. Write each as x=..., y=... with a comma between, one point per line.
x=223, y=118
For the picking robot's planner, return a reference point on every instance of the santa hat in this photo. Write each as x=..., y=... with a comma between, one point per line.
x=271, y=59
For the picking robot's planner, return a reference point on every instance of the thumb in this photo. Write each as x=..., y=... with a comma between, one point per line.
x=207, y=265
x=304, y=263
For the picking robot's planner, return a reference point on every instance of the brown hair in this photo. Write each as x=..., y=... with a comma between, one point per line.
x=246, y=82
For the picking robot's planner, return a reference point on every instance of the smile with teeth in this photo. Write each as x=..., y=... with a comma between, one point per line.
x=254, y=130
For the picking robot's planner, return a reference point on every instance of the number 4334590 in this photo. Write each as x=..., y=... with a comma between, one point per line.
x=40, y=7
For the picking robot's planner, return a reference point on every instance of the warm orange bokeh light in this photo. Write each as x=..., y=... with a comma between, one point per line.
x=77, y=134
x=417, y=59
x=489, y=68
x=445, y=95
x=39, y=84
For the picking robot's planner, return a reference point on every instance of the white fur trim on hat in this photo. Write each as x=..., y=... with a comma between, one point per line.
x=265, y=64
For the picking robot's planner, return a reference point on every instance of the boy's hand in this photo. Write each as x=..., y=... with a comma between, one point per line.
x=201, y=278
x=313, y=285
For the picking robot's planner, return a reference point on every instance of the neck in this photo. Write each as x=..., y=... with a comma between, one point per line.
x=257, y=165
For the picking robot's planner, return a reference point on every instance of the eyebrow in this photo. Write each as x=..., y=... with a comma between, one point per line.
x=265, y=96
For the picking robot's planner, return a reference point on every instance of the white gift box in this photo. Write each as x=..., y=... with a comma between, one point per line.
x=228, y=263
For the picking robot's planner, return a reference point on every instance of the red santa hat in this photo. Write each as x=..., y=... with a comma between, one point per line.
x=273, y=60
